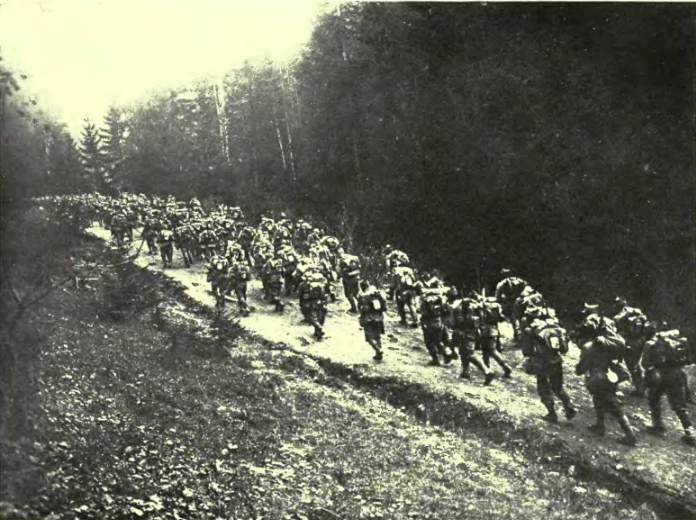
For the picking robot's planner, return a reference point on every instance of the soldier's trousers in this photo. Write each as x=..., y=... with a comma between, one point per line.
x=317, y=316
x=632, y=357
x=167, y=252
x=605, y=402
x=351, y=288
x=404, y=300
x=274, y=291
x=550, y=384
x=467, y=352
x=671, y=384
x=240, y=291
x=489, y=350
x=433, y=342
x=373, y=334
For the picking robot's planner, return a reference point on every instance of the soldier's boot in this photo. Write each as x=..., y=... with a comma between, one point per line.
x=551, y=415
x=568, y=407
x=657, y=427
x=465, y=365
x=598, y=427
x=279, y=306
x=318, y=331
x=434, y=362
x=377, y=345
x=629, y=438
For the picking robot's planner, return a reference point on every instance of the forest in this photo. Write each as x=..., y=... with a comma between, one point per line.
x=553, y=139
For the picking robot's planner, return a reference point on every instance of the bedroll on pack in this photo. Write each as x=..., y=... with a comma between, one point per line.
x=433, y=304
x=673, y=347
x=405, y=279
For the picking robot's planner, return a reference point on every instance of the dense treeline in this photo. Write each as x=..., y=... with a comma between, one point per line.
x=556, y=139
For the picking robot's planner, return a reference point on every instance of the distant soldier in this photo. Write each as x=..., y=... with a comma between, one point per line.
x=508, y=290
x=465, y=321
x=240, y=274
x=151, y=228
x=234, y=252
x=432, y=312
x=313, y=300
x=272, y=275
x=631, y=323
x=393, y=259
x=544, y=341
x=165, y=241
x=666, y=353
x=490, y=316
x=601, y=351
x=349, y=267
x=208, y=242
x=372, y=306
x=217, y=269
x=290, y=259
x=118, y=228
x=404, y=286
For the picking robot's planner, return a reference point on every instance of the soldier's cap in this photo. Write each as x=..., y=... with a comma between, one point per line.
x=505, y=271
x=620, y=299
x=591, y=307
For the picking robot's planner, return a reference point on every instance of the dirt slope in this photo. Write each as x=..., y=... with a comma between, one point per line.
x=662, y=469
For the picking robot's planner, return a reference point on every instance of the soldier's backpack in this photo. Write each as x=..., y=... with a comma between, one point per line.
x=671, y=347
x=404, y=278
x=316, y=290
x=550, y=338
x=433, y=305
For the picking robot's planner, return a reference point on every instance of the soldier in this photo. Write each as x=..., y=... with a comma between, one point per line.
x=404, y=287
x=490, y=315
x=451, y=296
x=208, y=241
x=601, y=349
x=217, y=268
x=272, y=275
x=185, y=242
x=393, y=258
x=507, y=292
x=240, y=273
x=151, y=228
x=118, y=228
x=432, y=310
x=290, y=258
x=313, y=300
x=631, y=324
x=465, y=321
x=165, y=240
x=666, y=353
x=349, y=267
x=544, y=341
x=372, y=306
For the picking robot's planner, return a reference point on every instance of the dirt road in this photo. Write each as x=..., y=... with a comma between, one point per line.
x=661, y=469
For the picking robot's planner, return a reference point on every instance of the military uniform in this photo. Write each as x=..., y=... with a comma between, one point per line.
x=465, y=337
x=631, y=324
x=405, y=294
x=313, y=300
x=432, y=311
x=599, y=362
x=272, y=274
x=544, y=341
x=663, y=360
x=240, y=273
x=349, y=266
x=165, y=240
x=490, y=315
x=507, y=292
x=372, y=306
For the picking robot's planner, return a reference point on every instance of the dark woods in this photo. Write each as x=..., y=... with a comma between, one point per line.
x=554, y=139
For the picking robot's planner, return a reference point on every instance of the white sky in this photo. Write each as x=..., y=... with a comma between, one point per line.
x=81, y=56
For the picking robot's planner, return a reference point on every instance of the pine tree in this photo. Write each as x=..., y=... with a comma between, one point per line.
x=92, y=157
x=112, y=136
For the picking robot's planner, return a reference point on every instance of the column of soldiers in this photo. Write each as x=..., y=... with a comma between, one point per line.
x=295, y=258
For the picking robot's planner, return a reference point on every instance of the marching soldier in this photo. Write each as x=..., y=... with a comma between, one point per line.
x=490, y=315
x=240, y=273
x=405, y=289
x=465, y=321
x=165, y=240
x=272, y=274
x=349, y=267
x=544, y=341
x=313, y=300
x=601, y=349
x=372, y=306
x=631, y=324
x=432, y=311
x=666, y=353
x=507, y=292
